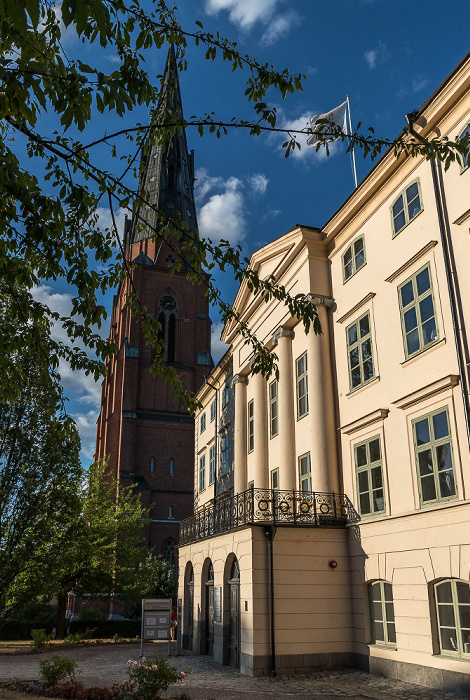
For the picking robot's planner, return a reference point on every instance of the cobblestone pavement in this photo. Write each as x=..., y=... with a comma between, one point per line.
x=105, y=665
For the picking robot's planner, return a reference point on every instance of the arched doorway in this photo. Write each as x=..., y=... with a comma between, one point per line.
x=209, y=645
x=234, y=628
x=188, y=627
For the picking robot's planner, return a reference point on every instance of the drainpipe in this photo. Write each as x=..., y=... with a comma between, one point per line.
x=270, y=533
x=451, y=273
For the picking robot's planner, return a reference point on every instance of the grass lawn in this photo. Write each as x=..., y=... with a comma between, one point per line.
x=56, y=645
x=14, y=695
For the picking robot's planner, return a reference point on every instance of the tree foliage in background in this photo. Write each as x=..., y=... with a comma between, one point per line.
x=39, y=473
x=52, y=178
x=155, y=578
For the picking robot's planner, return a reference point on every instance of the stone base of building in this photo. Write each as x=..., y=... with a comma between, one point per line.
x=438, y=678
x=290, y=665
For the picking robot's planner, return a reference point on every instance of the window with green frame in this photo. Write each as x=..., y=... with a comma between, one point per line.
x=305, y=473
x=301, y=373
x=275, y=479
x=418, y=315
x=453, y=617
x=212, y=465
x=202, y=473
x=360, y=358
x=433, y=450
x=370, y=488
x=353, y=258
x=273, y=409
x=382, y=615
x=464, y=160
x=406, y=206
x=251, y=425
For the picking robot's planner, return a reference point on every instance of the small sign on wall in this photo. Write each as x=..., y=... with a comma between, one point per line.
x=156, y=615
x=217, y=603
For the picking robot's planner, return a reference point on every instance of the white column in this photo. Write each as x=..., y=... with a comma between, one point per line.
x=282, y=342
x=321, y=405
x=260, y=452
x=240, y=447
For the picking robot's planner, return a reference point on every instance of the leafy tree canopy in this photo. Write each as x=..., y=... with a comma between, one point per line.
x=48, y=219
x=155, y=578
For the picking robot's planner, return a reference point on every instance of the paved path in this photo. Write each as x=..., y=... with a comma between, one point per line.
x=105, y=665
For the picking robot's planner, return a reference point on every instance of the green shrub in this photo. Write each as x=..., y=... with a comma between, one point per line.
x=40, y=638
x=108, y=628
x=150, y=679
x=77, y=637
x=92, y=615
x=55, y=669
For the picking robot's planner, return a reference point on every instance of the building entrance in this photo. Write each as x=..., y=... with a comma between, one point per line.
x=210, y=612
x=234, y=645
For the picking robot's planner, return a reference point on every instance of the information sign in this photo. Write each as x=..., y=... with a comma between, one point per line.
x=217, y=603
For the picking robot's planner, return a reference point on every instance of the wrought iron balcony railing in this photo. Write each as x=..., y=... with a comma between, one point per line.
x=271, y=507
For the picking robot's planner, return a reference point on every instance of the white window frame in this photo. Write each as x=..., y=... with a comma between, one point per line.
x=406, y=204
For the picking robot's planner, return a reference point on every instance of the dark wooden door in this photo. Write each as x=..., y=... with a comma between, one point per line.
x=234, y=624
x=210, y=618
x=190, y=615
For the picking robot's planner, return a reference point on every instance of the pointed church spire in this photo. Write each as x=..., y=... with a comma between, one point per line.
x=167, y=169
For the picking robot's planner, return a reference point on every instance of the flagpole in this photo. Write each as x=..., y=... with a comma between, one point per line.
x=352, y=149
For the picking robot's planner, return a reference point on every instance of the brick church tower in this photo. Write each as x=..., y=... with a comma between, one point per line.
x=149, y=438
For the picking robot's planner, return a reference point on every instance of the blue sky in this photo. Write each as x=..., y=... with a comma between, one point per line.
x=389, y=56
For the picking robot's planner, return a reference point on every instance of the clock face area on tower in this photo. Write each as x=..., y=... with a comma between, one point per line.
x=167, y=303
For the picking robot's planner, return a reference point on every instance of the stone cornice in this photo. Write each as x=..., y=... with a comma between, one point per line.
x=427, y=392
x=409, y=263
x=368, y=419
x=356, y=307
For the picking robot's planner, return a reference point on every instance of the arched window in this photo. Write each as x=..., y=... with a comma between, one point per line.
x=382, y=616
x=167, y=314
x=235, y=572
x=464, y=134
x=210, y=573
x=453, y=617
x=169, y=552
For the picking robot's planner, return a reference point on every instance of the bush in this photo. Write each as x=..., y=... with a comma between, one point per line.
x=108, y=629
x=149, y=679
x=40, y=638
x=77, y=637
x=92, y=615
x=76, y=691
x=55, y=669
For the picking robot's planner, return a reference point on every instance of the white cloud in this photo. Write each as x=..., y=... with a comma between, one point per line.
x=76, y=383
x=222, y=204
x=306, y=153
x=279, y=27
x=258, y=183
x=68, y=35
x=218, y=347
x=418, y=83
x=247, y=13
x=105, y=220
x=376, y=56
x=86, y=426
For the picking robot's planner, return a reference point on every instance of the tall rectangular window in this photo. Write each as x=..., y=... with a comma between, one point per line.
x=382, y=614
x=353, y=258
x=203, y=422
x=202, y=473
x=273, y=409
x=360, y=359
x=407, y=205
x=275, y=479
x=213, y=411
x=301, y=373
x=251, y=426
x=225, y=453
x=418, y=317
x=433, y=450
x=305, y=473
x=225, y=396
x=212, y=465
x=370, y=489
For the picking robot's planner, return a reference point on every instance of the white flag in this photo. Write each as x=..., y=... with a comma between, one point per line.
x=337, y=116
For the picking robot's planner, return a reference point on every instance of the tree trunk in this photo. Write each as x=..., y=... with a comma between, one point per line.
x=61, y=610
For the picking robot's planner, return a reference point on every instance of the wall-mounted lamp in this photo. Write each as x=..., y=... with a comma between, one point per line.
x=333, y=564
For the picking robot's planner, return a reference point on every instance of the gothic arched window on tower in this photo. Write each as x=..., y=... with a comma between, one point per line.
x=167, y=315
x=169, y=552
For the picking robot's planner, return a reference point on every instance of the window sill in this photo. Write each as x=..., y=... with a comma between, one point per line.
x=304, y=416
x=355, y=391
x=446, y=657
x=396, y=516
x=387, y=647
x=428, y=348
x=374, y=516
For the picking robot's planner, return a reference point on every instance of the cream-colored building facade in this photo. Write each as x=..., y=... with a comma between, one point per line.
x=332, y=504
